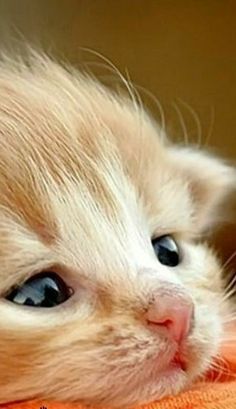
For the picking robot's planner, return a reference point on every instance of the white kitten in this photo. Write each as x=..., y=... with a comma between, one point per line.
x=99, y=218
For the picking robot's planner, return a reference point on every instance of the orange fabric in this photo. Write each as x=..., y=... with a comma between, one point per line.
x=217, y=392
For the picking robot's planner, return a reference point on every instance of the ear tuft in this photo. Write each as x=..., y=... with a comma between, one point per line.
x=211, y=182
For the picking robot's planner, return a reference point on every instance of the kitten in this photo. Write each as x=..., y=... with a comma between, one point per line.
x=107, y=294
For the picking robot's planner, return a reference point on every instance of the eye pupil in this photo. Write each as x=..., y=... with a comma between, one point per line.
x=166, y=251
x=42, y=290
x=29, y=302
x=51, y=296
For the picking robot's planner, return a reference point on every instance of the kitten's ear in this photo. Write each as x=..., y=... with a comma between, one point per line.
x=211, y=183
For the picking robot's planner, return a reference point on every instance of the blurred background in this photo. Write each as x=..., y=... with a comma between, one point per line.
x=183, y=52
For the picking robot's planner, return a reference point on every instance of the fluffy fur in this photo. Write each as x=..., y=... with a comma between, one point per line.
x=86, y=181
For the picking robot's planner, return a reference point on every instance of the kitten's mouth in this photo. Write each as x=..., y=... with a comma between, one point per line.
x=179, y=361
x=175, y=370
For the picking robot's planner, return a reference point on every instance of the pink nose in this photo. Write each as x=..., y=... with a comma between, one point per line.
x=174, y=313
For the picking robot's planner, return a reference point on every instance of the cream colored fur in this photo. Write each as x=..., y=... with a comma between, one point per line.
x=86, y=182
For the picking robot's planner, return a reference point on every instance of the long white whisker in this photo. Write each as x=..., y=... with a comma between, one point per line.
x=131, y=83
x=211, y=126
x=182, y=123
x=158, y=105
x=138, y=99
x=221, y=366
x=229, y=318
x=227, y=295
x=230, y=288
x=229, y=259
x=196, y=119
x=116, y=70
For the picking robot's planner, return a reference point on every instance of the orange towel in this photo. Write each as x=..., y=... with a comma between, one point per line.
x=217, y=392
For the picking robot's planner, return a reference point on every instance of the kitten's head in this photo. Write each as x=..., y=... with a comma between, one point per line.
x=100, y=220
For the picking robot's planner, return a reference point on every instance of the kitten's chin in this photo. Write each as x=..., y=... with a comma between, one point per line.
x=169, y=382
x=154, y=385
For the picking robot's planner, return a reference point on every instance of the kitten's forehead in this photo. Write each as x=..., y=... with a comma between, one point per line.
x=66, y=139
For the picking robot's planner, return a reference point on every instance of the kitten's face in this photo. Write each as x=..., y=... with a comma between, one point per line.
x=86, y=184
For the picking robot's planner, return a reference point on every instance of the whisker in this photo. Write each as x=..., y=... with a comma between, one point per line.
x=229, y=291
x=227, y=295
x=138, y=99
x=87, y=65
x=232, y=282
x=220, y=365
x=131, y=83
x=229, y=318
x=129, y=86
x=158, y=105
x=230, y=288
x=182, y=123
x=196, y=119
x=211, y=126
x=117, y=71
x=229, y=260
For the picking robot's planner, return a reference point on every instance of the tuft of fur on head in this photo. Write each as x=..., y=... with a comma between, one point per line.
x=86, y=182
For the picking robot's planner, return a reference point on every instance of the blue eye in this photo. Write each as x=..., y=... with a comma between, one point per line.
x=42, y=290
x=166, y=251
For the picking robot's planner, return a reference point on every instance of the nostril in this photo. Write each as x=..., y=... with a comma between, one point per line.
x=165, y=323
